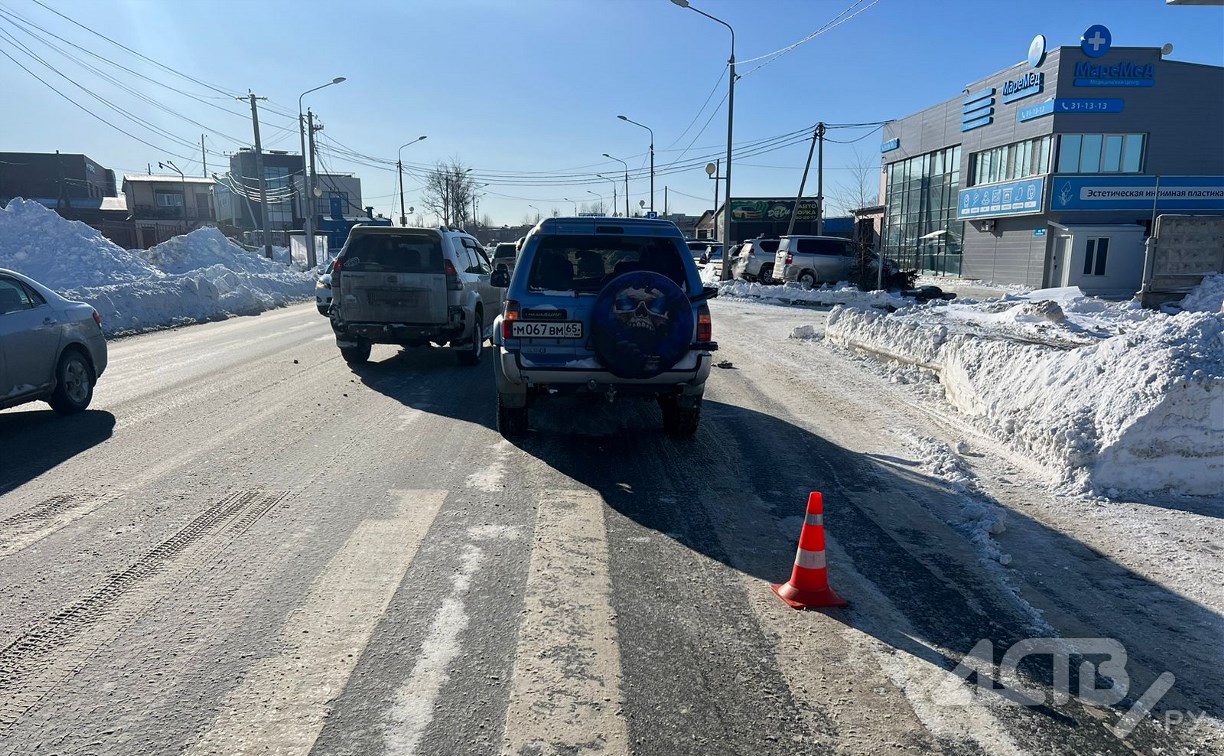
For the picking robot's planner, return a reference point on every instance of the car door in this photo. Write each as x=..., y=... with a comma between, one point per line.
x=474, y=276
x=827, y=260
x=29, y=338
x=489, y=294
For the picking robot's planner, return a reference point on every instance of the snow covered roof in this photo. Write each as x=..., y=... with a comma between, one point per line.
x=114, y=203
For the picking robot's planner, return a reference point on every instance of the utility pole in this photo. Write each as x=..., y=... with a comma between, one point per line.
x=203, y=156
x=665, y=200
x=311, y=203
x=263, y=179
x=820, y=132
x=790, y=229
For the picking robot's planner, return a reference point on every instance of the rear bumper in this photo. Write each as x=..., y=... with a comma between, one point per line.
x=401, y=333
x=515, y=376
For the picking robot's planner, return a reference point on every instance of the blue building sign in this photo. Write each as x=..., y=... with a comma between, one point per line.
x=1035, y=111
x=890, y=145
x=1137, y=193
x=1026, y=86
x=1124, y=74
x=1089, y=105
x=978, y=110
x=1022, y=197
x=1096, y=41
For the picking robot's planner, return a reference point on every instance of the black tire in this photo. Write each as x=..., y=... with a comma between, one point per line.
x=511, y=421
x=807, y=279
x=680, y=422
x=357, y=355
x=470, y=355
x=766, y=274
x=74, y=382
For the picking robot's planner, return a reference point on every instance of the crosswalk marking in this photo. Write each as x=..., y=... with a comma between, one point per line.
x=281, y=704
x=566, y=692
x=412, y=708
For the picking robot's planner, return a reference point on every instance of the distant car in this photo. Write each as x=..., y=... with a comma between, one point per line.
x=323, y=290
x=755, y=260
x=412, y=287
x=51, y=349
x=712, y=253
x=697, y=247
x=812, y=260
x=604, y=307
x=505, y=254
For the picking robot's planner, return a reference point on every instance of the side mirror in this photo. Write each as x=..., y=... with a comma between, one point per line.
x=500, y=277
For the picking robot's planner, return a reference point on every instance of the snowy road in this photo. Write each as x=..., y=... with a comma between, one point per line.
x=245, y=546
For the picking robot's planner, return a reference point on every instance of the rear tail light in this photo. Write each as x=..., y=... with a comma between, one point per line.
x=337, y=265
x=705, y=327
x=790, y=259
x=452, y=277
x=97, y=318
x=509, y=315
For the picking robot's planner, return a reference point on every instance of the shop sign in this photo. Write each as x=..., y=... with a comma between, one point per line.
x=772, y=210
x=1137, y=193
x=1125, y=74
x=1022, y=197
x=1026, y=86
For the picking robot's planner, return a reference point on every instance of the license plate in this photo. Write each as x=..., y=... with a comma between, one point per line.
x=569, y=330
x=394, y=298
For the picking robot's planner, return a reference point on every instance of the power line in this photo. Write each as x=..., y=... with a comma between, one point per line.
x=833, y=24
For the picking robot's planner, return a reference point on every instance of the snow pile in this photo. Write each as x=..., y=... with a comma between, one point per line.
x=1136, y=406
x=1207, y=296
x=192, y=278
x=202, y=248
x=60, y=253
x=792, y=293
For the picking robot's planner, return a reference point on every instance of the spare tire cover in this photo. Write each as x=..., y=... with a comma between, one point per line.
x=641, y=324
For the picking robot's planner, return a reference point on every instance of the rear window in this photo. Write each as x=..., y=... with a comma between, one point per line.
x=835, y=247
x=389, y=252
x=768, y=246
x=504, y=250
x=586, y=263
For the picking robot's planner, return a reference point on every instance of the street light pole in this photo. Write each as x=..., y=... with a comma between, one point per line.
x=399, y=166
x=170, y=164
x=612, y=181
x=730, y=127
x=635, y=123
x=622, y=162
x=308, y=206
x=567, y=199
x=533, y=207
x=601, y=207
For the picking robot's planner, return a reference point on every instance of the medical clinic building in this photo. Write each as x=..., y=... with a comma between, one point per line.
x=1045, y=174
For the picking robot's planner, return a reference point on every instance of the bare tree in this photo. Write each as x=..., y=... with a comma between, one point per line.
x=448, y=193
x=860, y=186
x=556, y=212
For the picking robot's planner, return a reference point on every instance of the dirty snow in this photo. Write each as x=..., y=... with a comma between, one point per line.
x=192, y=278
x=1108, y=396
x=792, y=293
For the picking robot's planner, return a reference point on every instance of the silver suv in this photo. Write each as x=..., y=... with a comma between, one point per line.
x=812, y=260
x=411, y=287
x=754, y=260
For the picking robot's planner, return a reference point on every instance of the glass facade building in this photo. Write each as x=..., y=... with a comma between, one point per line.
x=920, y=227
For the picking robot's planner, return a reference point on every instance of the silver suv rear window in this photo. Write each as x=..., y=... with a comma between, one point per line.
x=389, y=252
x=585, y=263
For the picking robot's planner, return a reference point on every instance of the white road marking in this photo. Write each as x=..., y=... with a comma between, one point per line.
x=566, y=693
x=281, y=704
x=489, y=479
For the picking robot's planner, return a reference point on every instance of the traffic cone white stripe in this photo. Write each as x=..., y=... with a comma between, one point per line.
x=810, y=560
x=814, y=519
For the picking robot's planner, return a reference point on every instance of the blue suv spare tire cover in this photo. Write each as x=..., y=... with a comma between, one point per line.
x=641, y=324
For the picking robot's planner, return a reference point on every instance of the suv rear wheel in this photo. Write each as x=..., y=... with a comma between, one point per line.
x=677, y=420
x=511, y=421
x=356, y=355
x=471, y=354
x=766, y=275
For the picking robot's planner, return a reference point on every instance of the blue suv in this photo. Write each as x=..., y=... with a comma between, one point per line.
x=603, y=306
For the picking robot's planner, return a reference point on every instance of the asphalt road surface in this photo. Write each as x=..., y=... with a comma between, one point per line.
x=247, y=546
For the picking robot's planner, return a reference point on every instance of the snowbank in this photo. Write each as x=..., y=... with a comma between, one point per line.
x=1110, y=397
x=1207, y=296
x=791, y=293
x=192, y=278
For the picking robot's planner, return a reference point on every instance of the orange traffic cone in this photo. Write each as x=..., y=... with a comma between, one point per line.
x=809, y=583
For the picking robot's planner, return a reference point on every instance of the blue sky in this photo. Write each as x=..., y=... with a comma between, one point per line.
x=524, y=90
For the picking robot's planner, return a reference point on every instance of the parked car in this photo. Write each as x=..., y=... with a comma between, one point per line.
x=323, y=289
x=712, y=253
x=51, y=348
x=697, y=248
x=755, y=260
x=812, y=260
x=505, y=254
x=607, y=307
x=412, y=287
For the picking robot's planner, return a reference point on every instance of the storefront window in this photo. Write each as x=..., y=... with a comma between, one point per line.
x=1011, y=161
x=1100, y=153
x=921, y=230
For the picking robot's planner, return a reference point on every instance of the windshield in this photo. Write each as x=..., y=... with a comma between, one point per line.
x=586, y=263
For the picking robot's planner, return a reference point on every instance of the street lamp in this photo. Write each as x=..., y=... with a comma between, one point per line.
x=612, y=181
x=567, y=199
x=730, y=123
x=399, y=166
x=622, y=162
x=308, y=178
x=170, y=164
x=635, y=123
x=598, y=198
x=533, y=207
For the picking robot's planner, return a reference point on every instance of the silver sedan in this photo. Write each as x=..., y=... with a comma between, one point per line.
x=51, y=348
